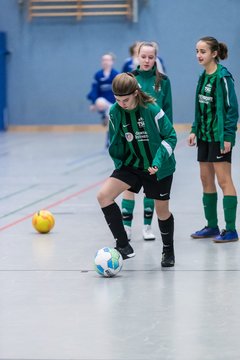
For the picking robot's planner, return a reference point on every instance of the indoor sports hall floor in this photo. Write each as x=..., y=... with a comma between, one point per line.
x=54, y=306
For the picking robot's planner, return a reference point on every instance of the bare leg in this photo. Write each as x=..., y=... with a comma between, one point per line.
x=207, y=175
x=162, y=209
x=128, y=195
x=224, y=178
x=110, y=190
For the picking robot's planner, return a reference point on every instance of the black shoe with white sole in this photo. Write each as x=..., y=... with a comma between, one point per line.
x=127, y=252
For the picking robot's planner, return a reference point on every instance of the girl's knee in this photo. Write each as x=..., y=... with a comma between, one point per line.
x=226, y=185
x=102, y=104
x=162, y=209
x=222, y=183
x=206, y=180
x=101, y=197
x=104, y=198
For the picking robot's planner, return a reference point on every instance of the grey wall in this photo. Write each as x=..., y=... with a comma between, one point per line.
x=52, y=61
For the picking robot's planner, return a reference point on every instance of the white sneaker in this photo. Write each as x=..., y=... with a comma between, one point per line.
x=128, y=230
x=147, y=233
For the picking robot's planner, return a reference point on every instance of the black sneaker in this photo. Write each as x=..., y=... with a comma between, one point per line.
x=168, y=258
x=127, y=252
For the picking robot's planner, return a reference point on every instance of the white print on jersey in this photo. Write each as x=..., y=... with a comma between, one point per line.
x=205, y=99
x=159, y=89
x=141, y=136
x=141, y=122
x=208, y=88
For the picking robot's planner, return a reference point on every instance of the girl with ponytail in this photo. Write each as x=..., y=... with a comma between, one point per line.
x=214, y=131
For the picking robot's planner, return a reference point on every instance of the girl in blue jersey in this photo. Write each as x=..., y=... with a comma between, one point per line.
x=131, y=63
x=101, y=95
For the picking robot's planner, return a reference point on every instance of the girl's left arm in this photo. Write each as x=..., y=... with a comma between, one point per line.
x=168, y=143
x=231, y=106
x=167, y=100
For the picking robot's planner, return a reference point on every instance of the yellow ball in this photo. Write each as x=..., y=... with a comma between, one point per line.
x=43, y=221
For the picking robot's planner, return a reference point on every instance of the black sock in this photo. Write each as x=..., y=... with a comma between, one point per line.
x=167, y=229
x=113, y=218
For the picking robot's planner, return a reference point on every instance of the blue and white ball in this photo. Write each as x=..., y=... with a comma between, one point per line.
x=108, y=262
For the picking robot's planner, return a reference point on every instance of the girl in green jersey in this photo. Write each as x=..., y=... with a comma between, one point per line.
x=158, y=86
x=214, y=129
x=142, y=140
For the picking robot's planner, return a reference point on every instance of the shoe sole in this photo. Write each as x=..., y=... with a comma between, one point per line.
x=167, y=265
x=128, y=256
x=203, y=237
x=225, y=241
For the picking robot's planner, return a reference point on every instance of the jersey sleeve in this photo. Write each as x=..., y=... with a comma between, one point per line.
x=94, y=92
x=117, y=147
x=168, y=139
x=231, y=106
x=111, y=126
x=167, y=100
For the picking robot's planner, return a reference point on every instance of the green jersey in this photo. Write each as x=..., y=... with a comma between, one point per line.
x=208, y=130
x=138, y=153
x=146, y=81
x=142, y=137
x=226, y=104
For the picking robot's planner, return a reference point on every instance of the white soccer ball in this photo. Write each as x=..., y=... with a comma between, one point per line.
x=108, y=262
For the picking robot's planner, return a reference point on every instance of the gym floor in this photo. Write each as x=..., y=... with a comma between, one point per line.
x=54, y=306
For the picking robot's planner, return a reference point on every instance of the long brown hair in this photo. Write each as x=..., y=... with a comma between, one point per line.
x=157, y=73
x=126, y=84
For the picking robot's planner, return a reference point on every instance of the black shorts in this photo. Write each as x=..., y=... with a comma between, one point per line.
x=136, y=179
x=211, y=152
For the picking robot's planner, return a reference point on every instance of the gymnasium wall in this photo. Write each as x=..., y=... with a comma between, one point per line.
x=52, y=61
